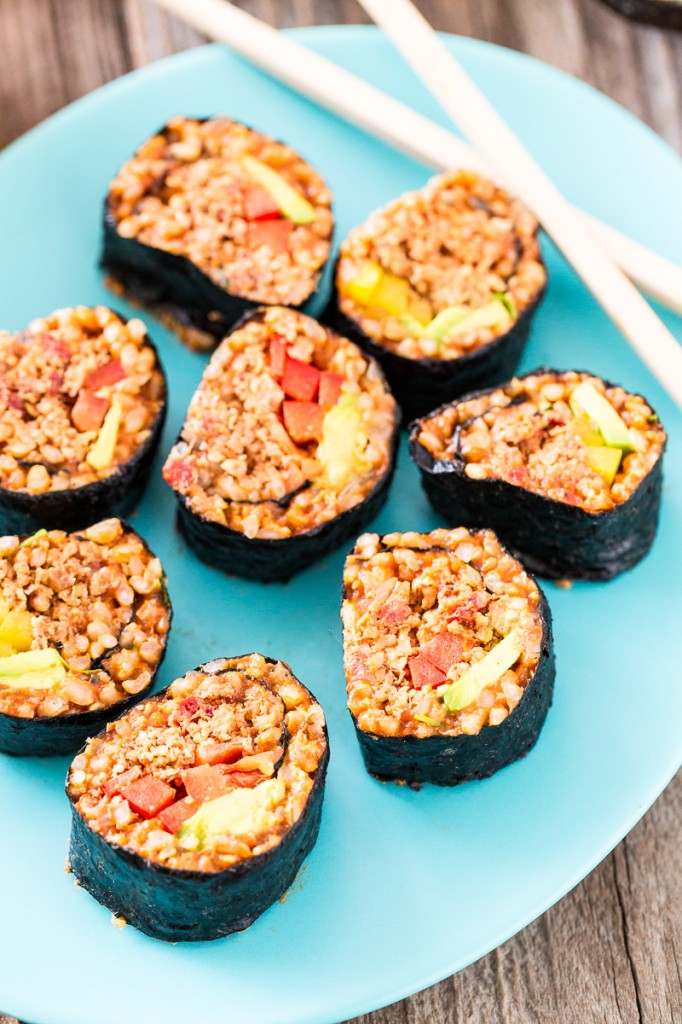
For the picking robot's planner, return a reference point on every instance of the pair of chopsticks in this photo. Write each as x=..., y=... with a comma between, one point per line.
x=595, y=250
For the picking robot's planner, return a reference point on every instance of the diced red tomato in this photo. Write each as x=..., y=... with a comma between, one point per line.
x=180, y=474
x=175, y=816
x=278, y=356
x=466, y=610
x=259, y=204
x=104, y=376
x=424, y=673
x=394, y=612
x=148, y=795
x=301, y=380
x=443, y=651
x=303, y=421
x=244, y=780
x=330, y=389
x=89, y=411
x=205, y=782
x=112, y=786
x=217, y=753
x=275, y=233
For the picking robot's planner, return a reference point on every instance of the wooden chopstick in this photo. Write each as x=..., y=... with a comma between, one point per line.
x=386, y=118
x=492, y=137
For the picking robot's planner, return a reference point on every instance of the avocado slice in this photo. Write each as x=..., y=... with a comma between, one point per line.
x=488, y=670
x=101, y=455
x=585, y=400
x=293, y=205
x=236, y=813
x=494, y=314
x=343, y=442
x=602, y=459
x=35, y=670
x=446, y=321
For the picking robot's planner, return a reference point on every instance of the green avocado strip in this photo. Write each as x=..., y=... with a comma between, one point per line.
x=465, y=690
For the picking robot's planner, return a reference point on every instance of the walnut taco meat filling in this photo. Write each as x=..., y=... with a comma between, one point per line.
x=447, y=655
x=244, y=212
x=292, y=431
x=82, y=395
x=590, y=450
x=217, y=779
x=437, y=276
x=84, y=620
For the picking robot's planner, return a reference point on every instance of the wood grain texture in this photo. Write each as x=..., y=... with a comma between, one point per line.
x=610, y=951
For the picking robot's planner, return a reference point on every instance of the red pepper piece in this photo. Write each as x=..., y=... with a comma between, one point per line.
x=180, y=474
x=175, y=816
x=278, y=356
x=301, y=380
x=104, y=376
x=424, y=673
x=275, y=233
x=218, y=753
x=205, y=782
x=259, y=204
x=330, y=389
x=148, y=795
x=303, y=421
x=443, y=651
x=89, y=411
x=244, y=780
x=112, y=786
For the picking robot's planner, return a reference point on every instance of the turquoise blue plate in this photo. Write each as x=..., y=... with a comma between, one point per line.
x=403, y=888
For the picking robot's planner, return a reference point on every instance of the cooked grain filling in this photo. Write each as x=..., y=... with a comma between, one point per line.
x=401, y=592
x=526, y=433
x=184, y=192
x=237, y=464
x=461, y=240
x=96, y=597
x=58, y=380
x=252, y=714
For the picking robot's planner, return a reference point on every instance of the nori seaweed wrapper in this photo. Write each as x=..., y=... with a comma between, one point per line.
x=171, y=283
x=64, y=734
x=75, y=508
x=420, y=385
x=278, y=559
x=451, y=760
x=552, y=538
x=178, y=905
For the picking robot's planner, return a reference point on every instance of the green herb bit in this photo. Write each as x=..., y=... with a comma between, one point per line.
x=426, y=720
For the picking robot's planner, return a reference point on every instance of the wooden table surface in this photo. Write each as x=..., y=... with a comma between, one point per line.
x=610, y=951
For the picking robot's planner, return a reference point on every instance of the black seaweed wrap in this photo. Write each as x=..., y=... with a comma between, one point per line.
x=450, y=760
x=75, y=508
x=420, y=385
x=171, y=283
x=178, y=905
x=64, y=734
x=552, y=538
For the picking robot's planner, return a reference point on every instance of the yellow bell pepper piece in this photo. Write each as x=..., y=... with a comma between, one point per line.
x=392, y=295
x=361, y=287
x=605, y=461
x=17, y=630
x=101, y=455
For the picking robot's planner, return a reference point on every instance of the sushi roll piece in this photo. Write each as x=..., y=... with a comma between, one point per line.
x=210, y=219
x=193, y=812
x=448, y=655
x=82, y=406
x=84, y=620
x=440, y=286
x=565, y=466
x=288, y=448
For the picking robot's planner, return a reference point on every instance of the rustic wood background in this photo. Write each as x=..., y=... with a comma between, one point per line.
x=610, y=951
